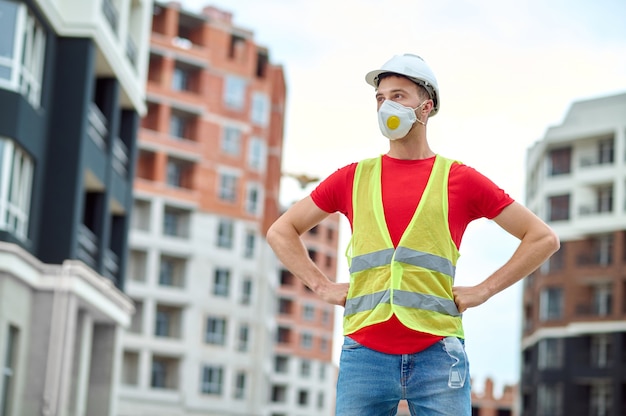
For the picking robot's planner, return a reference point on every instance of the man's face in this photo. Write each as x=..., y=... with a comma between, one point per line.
x=398, y=89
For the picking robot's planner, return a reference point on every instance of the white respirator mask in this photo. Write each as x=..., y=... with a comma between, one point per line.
x=395, y=120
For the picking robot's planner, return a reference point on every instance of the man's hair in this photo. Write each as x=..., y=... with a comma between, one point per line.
x=421, y=91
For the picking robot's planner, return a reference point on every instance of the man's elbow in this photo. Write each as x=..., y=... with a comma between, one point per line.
x=551, y=241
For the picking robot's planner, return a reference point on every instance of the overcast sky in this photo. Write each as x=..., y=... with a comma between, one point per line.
x=507, y=70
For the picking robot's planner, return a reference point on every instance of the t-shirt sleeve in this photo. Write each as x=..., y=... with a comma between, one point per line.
x=482, y=197
x=334, y=194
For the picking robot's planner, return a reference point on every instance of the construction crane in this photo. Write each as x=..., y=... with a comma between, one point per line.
x=302, y=178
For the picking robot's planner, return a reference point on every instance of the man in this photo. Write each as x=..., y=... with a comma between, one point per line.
x=408, y=210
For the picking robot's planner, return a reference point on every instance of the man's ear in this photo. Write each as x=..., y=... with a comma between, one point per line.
x=428, y=106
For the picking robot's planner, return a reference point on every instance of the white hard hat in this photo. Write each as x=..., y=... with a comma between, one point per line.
x=412, y=67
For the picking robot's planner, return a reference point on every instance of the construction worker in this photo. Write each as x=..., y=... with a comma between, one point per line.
x=408, y=210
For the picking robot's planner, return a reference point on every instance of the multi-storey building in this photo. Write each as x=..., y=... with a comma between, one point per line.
x=72, y=88
x=304, y=375
x=574, y=333
x=203, y=279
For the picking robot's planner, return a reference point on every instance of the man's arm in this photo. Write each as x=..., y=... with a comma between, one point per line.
x=537, y=243
x=284, y=238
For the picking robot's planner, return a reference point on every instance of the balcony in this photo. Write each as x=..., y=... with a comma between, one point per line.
x=110, y=14
x=87, y=246
x=120, y=157
x=111, y=265
x=97, y=129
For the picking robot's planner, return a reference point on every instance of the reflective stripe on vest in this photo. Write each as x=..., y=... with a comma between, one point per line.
x=413, y=281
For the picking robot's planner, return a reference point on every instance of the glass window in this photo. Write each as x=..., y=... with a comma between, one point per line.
x=244, y=334
x=551, y=303
x=235, y=92
x=249, y=244
x=559, y=207
x=252, y=199
x=228, y=187
x=231, y=141
x=16, y=175
x=225, y=233
x=246, y=292
x=256, y=154
x=260, y=109
x=212, y=380
x=560, y=161
x=180, y=79
x=240, y=385
x=22, y=51
x=221, y=283
x=215, y=331
x=550, y=353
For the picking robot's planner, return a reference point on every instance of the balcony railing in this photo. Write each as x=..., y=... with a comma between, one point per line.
x=131, y=51
x=111, y=265
x=97, y=128
x=110, y=14
x=120, y=157
x=87, y=246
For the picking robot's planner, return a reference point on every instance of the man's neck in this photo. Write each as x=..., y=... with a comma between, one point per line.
x=410, y=148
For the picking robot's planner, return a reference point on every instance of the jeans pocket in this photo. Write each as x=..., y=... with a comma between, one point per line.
x=458, y=369
x=350, y=344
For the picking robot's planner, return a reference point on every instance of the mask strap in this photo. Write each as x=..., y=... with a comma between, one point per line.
x=417, y=118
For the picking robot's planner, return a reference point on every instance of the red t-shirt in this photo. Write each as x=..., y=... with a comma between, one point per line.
x=471, y=195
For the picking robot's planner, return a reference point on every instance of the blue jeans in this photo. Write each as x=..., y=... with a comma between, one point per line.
x=435, y=381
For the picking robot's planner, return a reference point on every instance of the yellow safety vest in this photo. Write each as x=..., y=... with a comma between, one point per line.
x=413, y=281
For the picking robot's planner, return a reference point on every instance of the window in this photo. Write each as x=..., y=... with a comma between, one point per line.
x=235, y=93
x=228, y=187
x=212, y=378
x=256, y=154
x=164, y=372
x=550, y=304
x=249, y=244
x=281, y=364
x=231, y=141
x=306, y=340
x=559, y=207
x=550, y=353
x=283, y=335
x=260, y=109
x=167, y=322
x=174, y=173
x=246, y=292
x=303, y=397
x=240, y=385
x=16, y=176
x=175, y=222
x=253, y=199
x=308, y=312
x=171, y=271
x=601, y=351
x=180, y=79
x=178, y=126
x=602, y=300
x=601, y=399
x=215, y=331
x=221, y=282
x=605, y=151
x=560, y=161
x=285, y=306
x=136, y=323
x=305, y=368
x=604, y=198
x=244, y=334
x=549, y=400
x=225, y=232
x=279, y=394
x=10, y=361
x=22, y=51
